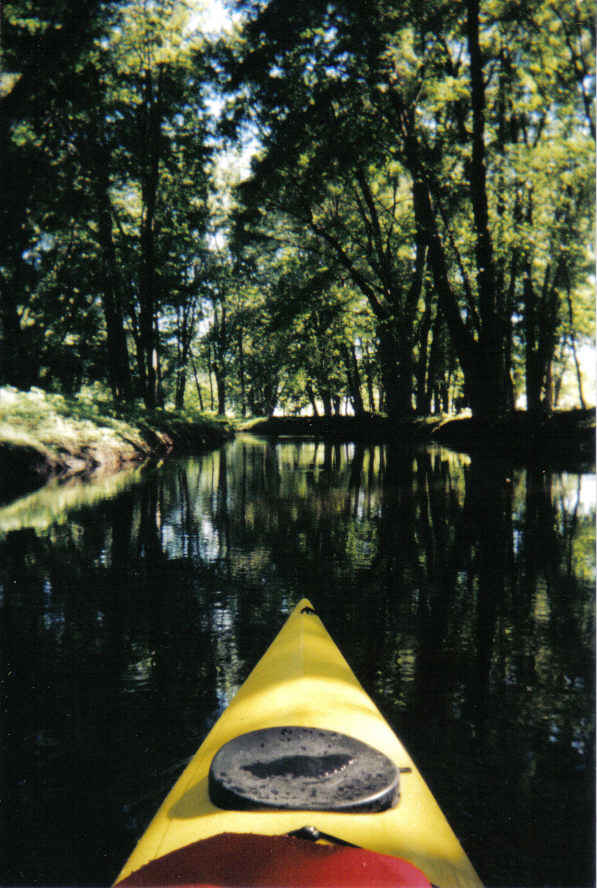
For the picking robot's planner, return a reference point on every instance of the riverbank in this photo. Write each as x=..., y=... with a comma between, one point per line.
x=559, y=439
x=44, y=436
x=370, y=428
x=564, y=437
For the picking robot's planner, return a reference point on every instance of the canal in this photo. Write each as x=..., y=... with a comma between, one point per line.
x=460, y=589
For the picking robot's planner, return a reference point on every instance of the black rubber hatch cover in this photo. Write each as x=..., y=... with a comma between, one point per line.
x=303, y=769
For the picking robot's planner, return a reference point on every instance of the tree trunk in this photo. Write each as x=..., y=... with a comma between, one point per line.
x=573, y=346
x=185, y=328
x=221, y=389
x=491, y=345
x=312, y=398
x=151, y=128
x=197, y=384
x=18, y=362
x=396, y=373
x=118, y=358
x=437, y=362
x=241, y=370
x=532, y=373
x=210, y=377
x=353, y=378
x=326, y=400
x=424, y=363
x=181, y=384
x=119, y=372
x=369, y=371
x=482, y=361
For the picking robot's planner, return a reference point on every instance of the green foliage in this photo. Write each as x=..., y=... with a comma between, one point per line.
x=416, y=229
x=88, y=430
x=111, y=233
x=472, y=112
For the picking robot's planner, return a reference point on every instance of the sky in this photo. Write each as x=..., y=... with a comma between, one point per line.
x=212, y=17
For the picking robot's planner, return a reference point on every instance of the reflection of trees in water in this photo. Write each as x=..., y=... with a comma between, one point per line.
x=461, y=591
x=105, y=650
x=452, y=587
x=503, y=669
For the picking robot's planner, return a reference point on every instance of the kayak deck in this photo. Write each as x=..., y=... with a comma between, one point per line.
x=303, y=680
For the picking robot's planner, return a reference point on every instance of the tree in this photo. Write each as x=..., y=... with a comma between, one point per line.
x=449, y=95
x=42, y=44
x=160, y=177
x=321, y=170
x=497, y=94
x=108, y=157
x=323, y=322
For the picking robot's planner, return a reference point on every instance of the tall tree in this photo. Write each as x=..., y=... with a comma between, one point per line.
x=340, y=92
x=42, y=44
x=321, y=169
x=159, y=115
x=108, y=156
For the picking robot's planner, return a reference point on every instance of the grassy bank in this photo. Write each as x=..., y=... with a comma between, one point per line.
x=45, y=435
x=562, y=438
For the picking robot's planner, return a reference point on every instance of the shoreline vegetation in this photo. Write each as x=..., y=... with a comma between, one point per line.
x=46, y=436
x=562, y=437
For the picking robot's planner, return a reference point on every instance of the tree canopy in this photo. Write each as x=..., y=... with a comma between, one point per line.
x=414, y=233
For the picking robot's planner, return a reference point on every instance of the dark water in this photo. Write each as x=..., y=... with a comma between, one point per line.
x=461, y=592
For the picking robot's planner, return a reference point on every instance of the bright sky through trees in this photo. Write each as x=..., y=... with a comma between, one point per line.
x=212, y=17
x=386, y=207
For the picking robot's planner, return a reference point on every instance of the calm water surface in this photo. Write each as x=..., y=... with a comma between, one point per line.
x=461, y=592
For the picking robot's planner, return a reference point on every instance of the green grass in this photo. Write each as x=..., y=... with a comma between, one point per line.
x=89, y=429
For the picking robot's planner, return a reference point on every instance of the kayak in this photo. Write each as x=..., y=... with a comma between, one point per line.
x=301, y=781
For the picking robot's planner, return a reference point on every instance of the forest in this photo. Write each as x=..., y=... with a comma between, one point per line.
x=341, y=206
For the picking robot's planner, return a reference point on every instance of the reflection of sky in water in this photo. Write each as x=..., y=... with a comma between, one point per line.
x=204, y=542
x=53, y=615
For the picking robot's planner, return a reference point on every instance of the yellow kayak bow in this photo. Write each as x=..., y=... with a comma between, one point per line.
x=303, y=685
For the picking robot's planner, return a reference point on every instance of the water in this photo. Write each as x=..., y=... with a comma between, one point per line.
x=461, y=592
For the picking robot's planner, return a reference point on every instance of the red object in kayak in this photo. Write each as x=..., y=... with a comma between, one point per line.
x=230, y=860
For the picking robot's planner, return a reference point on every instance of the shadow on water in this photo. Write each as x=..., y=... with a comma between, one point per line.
x=460, y=589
